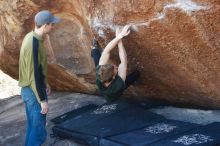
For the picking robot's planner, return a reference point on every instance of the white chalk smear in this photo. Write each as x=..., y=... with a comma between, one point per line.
x=100, y=26
x=159, y=16
x=188, y=6
x=185, y=5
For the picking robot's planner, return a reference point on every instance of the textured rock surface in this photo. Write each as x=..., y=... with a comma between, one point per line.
x=9, y=87
x=175, y=44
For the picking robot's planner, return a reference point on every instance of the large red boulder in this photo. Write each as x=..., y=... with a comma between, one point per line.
x=174, y=43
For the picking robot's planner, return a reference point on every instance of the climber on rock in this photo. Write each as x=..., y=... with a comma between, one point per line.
x=110, y=79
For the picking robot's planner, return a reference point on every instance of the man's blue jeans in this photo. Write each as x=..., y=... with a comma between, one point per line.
x=36, y=122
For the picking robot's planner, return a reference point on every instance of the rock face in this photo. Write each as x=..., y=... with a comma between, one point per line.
x=174, y=43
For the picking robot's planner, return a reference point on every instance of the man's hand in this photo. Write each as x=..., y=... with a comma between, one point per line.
x=125, y=31
x=48, y=90
x=44, y=107
x=106, y=53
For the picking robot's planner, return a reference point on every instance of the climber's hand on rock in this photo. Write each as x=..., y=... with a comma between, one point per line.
x=125, y=31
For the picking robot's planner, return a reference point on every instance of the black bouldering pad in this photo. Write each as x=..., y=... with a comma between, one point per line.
x=76, y=136
x=149, y=134
x=62, y=118
x=94, y=115
x=131, y=124
x=121, y=122
x=106, y=120
x=208, y=135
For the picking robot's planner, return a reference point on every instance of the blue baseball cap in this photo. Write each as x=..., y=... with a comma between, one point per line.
x=45, y=17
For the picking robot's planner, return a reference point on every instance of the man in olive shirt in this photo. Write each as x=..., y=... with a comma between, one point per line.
x=112, y=80
x=33, y=78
